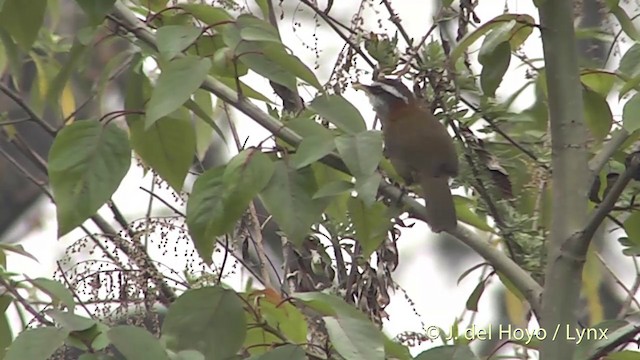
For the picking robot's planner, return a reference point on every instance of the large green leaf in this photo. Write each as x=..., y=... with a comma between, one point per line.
x=179, y=79
x=518, y=33
x=494, y=66
x=136, y=343
x=289, y=199
x=313, y=148
x=210, y=320
x=23, y=20
x=6, y=335
x=87, y=162
x=220, y=196
x=361, y=152
x=36, y=344
x=173, y=39
x=340, y=112
x=56, y=291
x=208, y=14
x=167, y=146
x=370, y=223
x=355, y=338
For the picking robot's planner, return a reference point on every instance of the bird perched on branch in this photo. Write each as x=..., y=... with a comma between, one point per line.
x=418, y=146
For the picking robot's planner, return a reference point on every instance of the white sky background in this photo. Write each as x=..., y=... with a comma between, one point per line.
x=429, y=282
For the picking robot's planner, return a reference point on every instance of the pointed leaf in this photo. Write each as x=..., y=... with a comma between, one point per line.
x=136, y=343
x=361, y=152
x=87, y=162
x=56, y=291
x=206, y=13
x=71, y=321
x=173, y=39
x=340, y=112
x=179, y=79
x=313, y=148
x=355, y=338
x=370, y=223
x=220, y=196
x=334, y=188
x=494, y=66
x=167, y=146
x=210, y=320
x=288, y=198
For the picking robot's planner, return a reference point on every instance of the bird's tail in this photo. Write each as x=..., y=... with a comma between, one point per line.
x=441, y=212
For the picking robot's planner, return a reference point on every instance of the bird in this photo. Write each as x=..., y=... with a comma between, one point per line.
x=418, y=146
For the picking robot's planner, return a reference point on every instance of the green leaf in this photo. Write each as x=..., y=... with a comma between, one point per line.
x=370, y=223
x=597, y=80
x=255, y=29
x=313, y=148
x=631, y=114
x=87, y=162
x=136, y=343
x=71, y=321
x=167, y=146
x=474, y=298
x=494, y=66
x=632, y=227
x=518, y=34
x=179, y=79
x=23, y=20
x=220, y=196
x=5, y=329
x=334, y=188
x=56, y=291
x=210, y=320
x=355, y=338
x=36, y=344
x=361, y=152
x=173, y=39
x=202, y=113
x=288, y=198
x=624, y=355
x=466, y=215
x=340, y=112
x=284, y=352
x=395, y=350
x=18, y=249
x=287, y=318
x=208, y=14
x=630, y=62
x=367, y=188
x=597, y=114
x=449, y=352
x=96, y=10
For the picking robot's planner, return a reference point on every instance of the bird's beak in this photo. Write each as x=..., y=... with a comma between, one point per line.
x=360, y=86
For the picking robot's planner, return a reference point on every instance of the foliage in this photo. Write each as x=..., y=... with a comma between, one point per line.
x=318, y=192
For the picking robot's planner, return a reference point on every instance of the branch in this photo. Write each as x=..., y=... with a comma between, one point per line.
x=570, y=185
x=600, y=159
x=522, y=281
x=33, y=116
x=609, y=202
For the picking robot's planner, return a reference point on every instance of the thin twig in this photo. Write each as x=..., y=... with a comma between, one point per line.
x=34, y=117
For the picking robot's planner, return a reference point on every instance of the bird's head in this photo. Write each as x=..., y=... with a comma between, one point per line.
x=386, y=95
